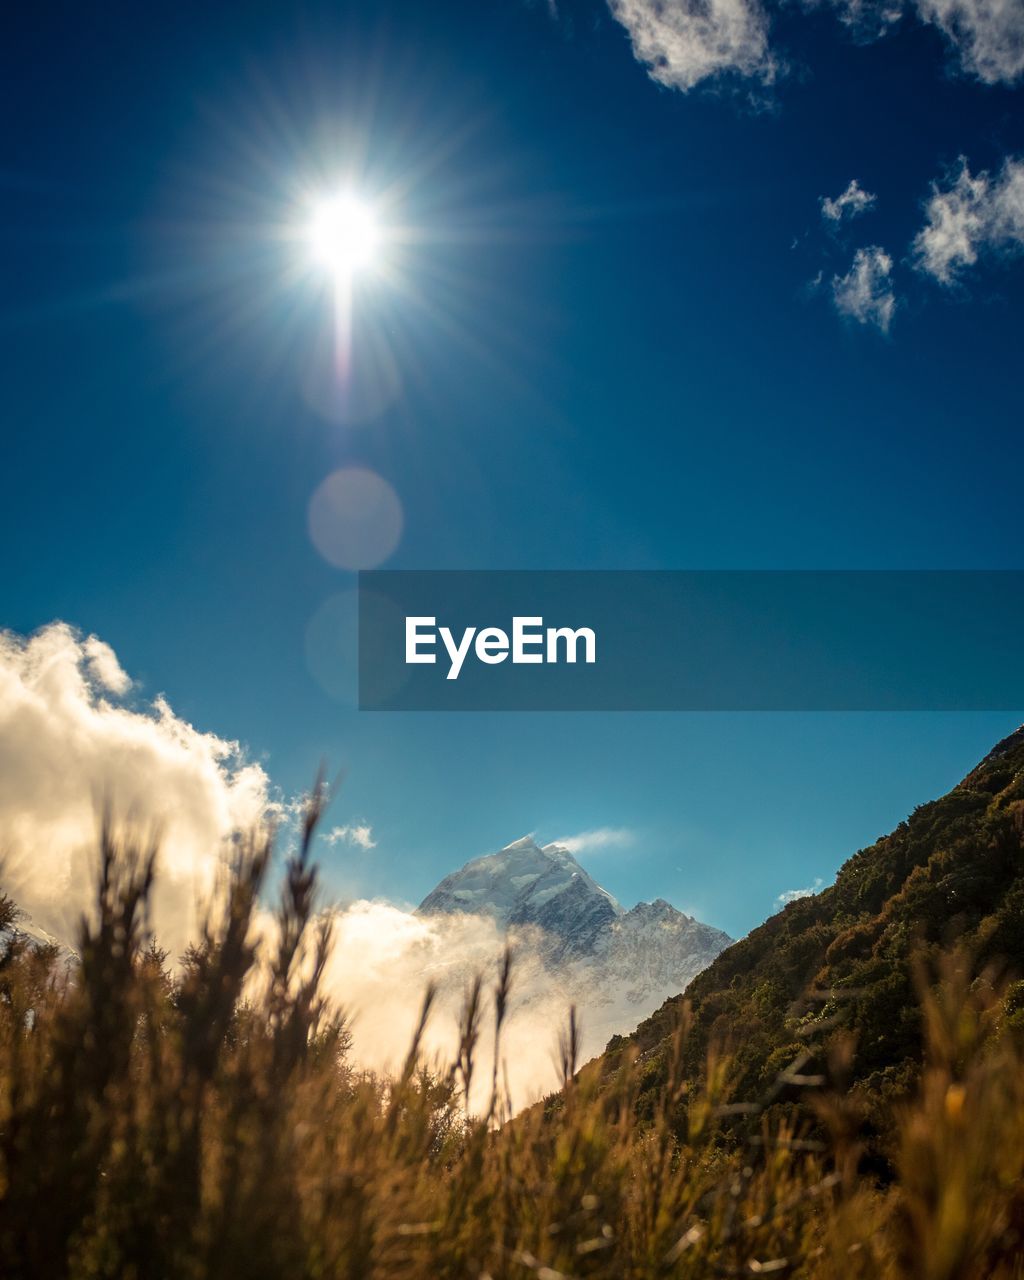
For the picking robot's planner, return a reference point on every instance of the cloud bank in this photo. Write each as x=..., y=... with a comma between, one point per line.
x=67, y=744
x=381, y=962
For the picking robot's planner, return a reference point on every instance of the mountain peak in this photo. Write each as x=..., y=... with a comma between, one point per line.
x=544, y=887
x=524, y=843
x=615, y=965
x=524, y=884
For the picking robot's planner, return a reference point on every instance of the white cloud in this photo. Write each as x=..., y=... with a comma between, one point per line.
x=969, y=216
x=791, y=895
x=359, y=834
x=849, y=204
x=381, y=961
x=988, y=35
x=683, y=42
x=599, y=838
x=104, y=666
x=65, y=746
x=865, y=293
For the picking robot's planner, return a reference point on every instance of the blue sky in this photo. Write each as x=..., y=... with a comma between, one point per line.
x=619, y=332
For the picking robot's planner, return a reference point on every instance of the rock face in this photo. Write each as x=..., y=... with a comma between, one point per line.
x=616, y=965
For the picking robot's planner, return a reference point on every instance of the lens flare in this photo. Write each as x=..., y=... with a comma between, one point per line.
x=355, y=519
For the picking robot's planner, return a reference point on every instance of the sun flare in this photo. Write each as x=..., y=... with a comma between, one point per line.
x=343, y=234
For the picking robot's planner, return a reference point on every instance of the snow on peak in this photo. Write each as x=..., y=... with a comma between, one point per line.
x=524, y=884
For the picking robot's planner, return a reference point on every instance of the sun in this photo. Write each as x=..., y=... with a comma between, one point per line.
x=343, y=234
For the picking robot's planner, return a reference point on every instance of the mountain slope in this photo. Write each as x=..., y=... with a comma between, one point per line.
x=952, y=873
x=582, y=947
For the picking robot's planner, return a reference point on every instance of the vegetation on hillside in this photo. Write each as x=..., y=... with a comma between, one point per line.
x=840, y=966
x=205, y=1121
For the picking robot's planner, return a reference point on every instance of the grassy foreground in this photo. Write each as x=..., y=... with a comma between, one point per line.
x=207, y=1123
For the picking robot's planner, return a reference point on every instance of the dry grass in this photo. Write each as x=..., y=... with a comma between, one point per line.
x=200, y=1125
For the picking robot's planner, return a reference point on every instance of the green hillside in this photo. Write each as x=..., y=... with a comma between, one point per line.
x=843, y=961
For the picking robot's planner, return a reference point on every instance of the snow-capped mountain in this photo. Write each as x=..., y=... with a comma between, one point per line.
x=617, y=966
x=525, y=885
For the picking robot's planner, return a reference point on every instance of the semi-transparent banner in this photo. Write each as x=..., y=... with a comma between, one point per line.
x=691, y=641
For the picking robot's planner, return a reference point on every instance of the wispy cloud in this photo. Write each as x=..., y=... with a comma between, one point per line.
x=684, y=43
x=969, y=216
x=868, y=19
x=599, y=838
x=359, y=834
x=848, y=204
x=865, y=292
x=987, y=35
x=791, y=895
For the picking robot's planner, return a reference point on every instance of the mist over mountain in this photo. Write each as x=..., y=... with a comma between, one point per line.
x=615, y=965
